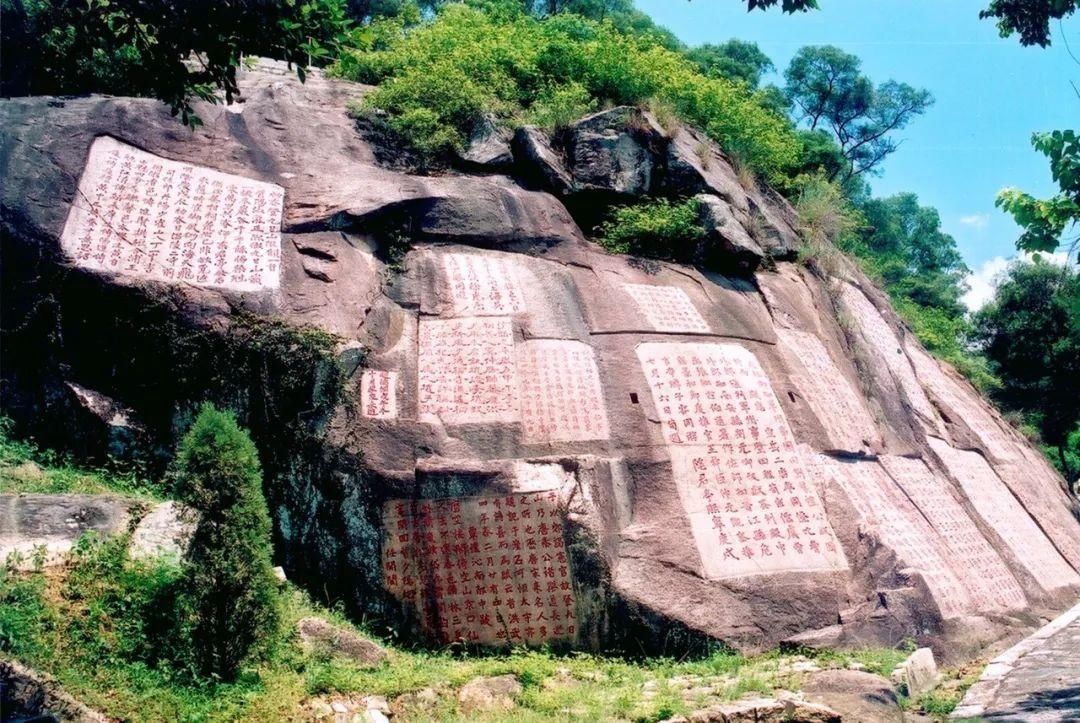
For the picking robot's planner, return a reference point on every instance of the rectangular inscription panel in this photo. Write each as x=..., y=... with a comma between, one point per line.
x=468, y=371
x=490, y=570
x=135, y=213
x=881, y=338
x=561, y=396
x=993, y=501
x=378, y=394
x=483, y=285
x=667, y=308
x=989, y=582
x=832, y=398
x=752, y=504
x=885, y=510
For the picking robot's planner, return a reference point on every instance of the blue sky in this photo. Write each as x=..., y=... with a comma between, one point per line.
x=991, y=94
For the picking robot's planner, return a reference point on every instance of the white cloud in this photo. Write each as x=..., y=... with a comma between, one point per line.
x=983, y=281
x=976, y=220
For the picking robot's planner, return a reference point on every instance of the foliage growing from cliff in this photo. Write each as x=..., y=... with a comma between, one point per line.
x=228, y=603
x=1046, y=221
x=1031, y=334
x=438, y=80
x=658, y=229
x=174, y=51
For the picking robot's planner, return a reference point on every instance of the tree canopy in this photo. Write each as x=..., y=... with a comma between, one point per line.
x=735, y=60
x=1030, y=18
x=1047, y=221
x=828, y=90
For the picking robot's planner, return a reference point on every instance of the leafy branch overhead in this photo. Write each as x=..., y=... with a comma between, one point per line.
x=1046, y=221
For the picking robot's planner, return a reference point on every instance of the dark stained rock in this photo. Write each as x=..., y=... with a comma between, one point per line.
x=489, y=147
x=614, y=151
x=26, y=694
x=735, y=247
x=537, y=162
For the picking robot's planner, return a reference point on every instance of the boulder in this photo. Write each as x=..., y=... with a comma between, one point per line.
x=165, y=530
x=614, y=151
x=26, y=694
x=51, y=524
x=856, y=696
x=489, y=147
x=729, y=244
x=316, y=633
x=764, y=710
x=488, y=695
x=537, y=162
x=917, y=674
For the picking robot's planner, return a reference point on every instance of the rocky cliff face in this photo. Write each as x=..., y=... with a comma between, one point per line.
x=497, y=431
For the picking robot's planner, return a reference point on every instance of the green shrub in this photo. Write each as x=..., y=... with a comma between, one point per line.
x=659, y=229
x=439, y=78
x=229, y=599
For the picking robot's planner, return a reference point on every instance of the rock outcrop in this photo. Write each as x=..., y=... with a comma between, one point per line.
x=475, y=425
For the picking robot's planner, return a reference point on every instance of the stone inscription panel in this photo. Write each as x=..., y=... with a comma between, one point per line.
x=714, y=394
x=378, y=394
x=138, y=214
x=753, y=512
x=884, y=509
x=752, y=504
x=832, y=398
x=489, y=570
x=468, y=371
x=483, y=285
x=667, y=308
x=996, y=504
x=990, y=584
x=562, y=399
x=880, y=336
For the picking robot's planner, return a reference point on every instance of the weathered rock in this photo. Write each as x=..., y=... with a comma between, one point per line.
x=765, y=710
x=538, y=163
x=614, y=151
x=51, y=524
x=486, y=695
x=442, y=391
x=917, y=674
x=319, y=633
x=164, y=531
x=856, y=696
x=733, y=245
x=489, y=147
x=26, y=694
x=420, y=704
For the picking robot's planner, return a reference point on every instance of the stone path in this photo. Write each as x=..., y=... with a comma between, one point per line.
x=1036, y=680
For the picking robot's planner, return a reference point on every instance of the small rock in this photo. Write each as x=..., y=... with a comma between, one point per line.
x=855, y=695
x=315, y=632
x=375, y=716
x=279, y=574
x=377, y=702
x=418, y=704
x=489, y=694
x=339, y=707
x=918, y=673
x=320, y=709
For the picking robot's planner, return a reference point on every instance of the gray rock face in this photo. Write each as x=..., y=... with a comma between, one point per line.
x=512, y=436
x=51, y=524
x=26, y=694
x=489, y=148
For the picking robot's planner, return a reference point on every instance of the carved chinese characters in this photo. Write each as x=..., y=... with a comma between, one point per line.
x=667, y=308
x=378, y=394
x=561, y=396
x=483, y=285
x=468, y=372
x=752, y=504
x=989, y=581
x=835, y=403
x=993, y=501
x=884, y=509
x=883, y=341
x=490, y=570
x=135, y=213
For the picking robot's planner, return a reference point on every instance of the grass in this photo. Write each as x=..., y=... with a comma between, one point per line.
x=26, y=468
x=100, y=625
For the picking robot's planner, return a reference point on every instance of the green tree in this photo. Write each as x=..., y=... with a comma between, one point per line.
x=1046, y=221
x=1030, y=18
x=166, y=49
x=735, y=60
x=828, y=90
x=229, y=600
x=1031, y=334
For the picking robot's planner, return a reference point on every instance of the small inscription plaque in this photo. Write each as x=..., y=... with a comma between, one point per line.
x=830, y=395
x=989, y=582
x=378, y=394
x=667, y=308
x=752, y=503
x=135, y=213
x=884, y=509
x=468, y=371
x=561, y=396
x=993, y=501
x=483, y=285
x=489, y=570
